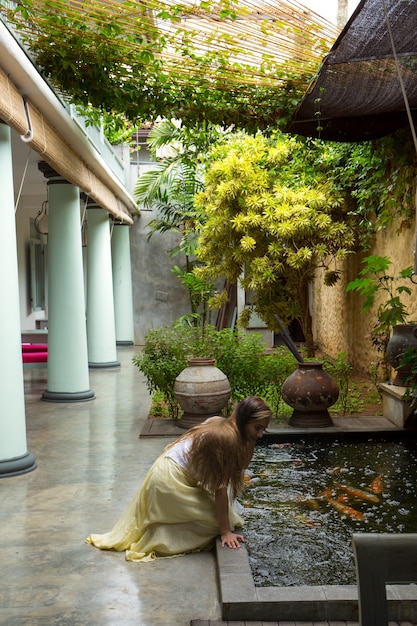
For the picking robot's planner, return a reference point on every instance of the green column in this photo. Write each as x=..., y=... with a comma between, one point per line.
x=101, y=334
x=68, y=375
x=14, y=456
x=122, y=284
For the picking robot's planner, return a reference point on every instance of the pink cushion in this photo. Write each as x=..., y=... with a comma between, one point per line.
x=35, y=357
x=34, y=347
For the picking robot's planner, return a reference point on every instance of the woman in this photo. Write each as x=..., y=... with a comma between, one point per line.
x=185, y=499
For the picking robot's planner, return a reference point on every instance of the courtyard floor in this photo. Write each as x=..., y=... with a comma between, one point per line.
x=91, y=458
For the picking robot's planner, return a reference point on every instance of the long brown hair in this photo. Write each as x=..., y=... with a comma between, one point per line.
x=220, y=451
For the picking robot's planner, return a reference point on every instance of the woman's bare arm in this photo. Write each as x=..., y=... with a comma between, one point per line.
x=221, y=504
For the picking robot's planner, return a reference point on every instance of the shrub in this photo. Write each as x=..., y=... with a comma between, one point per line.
x=340, y=369
x=239, y=355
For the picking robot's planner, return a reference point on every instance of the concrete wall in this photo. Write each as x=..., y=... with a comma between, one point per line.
x=158, y=296
x=339, y=323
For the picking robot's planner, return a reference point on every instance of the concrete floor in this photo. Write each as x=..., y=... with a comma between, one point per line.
x=90, y=461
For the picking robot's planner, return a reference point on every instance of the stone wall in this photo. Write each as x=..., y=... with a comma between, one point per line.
x=339, y=325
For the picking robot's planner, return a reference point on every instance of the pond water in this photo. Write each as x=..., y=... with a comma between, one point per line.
x=303, y=500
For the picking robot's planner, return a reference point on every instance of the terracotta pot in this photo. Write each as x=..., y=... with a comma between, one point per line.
x=202, y=390
x=404, y=337
x=310, y=391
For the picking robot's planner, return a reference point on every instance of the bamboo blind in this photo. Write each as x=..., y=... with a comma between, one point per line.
x=56, y=152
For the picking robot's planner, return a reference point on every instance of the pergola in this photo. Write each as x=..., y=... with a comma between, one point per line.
x=209, y=59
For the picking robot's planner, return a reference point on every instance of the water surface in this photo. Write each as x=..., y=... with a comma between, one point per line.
x=304, y=500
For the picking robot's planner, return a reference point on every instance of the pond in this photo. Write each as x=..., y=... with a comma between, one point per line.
x=303, y=500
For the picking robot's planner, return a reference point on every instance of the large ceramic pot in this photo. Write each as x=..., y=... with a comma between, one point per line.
x=202, y=390
x=404, y=337
x=310, y=391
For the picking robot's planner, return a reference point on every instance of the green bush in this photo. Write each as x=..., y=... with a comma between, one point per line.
x=340, y=369
x=239, y=355
x=277, y=366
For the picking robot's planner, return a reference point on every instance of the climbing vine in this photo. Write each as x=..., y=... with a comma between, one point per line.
x=378, y=179
x=142, y=61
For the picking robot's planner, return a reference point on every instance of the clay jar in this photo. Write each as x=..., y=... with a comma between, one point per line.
x=404, y=337
x=202, y=390
x=310, y=391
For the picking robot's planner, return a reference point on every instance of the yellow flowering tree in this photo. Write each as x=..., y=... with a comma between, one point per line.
x=268, y=227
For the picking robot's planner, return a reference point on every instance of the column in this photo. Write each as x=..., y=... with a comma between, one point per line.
x=14, y=456
x=101, y=333
x=68, y=375
x=122, y=284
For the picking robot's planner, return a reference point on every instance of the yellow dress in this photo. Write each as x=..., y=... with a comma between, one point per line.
x=170, y=515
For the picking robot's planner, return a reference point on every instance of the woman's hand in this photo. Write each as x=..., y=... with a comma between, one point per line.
x=231, y=539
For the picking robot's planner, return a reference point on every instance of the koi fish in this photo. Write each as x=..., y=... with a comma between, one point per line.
x=326, y=494
x=359, y=493
x=377, y=485
x=298, y=463
x=307, y=522
x=334, y=471
x=310, y=502
x=346, y=510
x=343, y=498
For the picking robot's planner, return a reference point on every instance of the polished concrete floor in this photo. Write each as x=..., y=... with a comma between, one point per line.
x=90, y=459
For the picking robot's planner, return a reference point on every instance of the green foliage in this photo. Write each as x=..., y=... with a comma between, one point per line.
x=276, y=367
x=170, y=188
x=379, y=179
x=239, y=355
x=409, y=362
x=99, y=59
x=161, y=361
x=340, y=369
x=272, y=218
x=374, y=279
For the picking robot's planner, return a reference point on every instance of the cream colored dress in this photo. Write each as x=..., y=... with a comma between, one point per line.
x=170, y=515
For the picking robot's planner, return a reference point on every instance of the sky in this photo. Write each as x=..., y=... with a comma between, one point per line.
x=328, y=8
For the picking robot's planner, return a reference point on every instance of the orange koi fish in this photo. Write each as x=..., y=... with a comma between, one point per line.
x=377, y=485
x=310, y=502
x=346, y=510
x=307, y=522
x=359, y=493
x=326, y=494
x=343, y=498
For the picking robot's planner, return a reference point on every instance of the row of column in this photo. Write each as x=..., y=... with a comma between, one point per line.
x=82, y=330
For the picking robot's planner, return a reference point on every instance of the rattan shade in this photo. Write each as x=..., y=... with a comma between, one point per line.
x=55, y=151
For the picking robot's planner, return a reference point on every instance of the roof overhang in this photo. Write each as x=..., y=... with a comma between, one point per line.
x=20, y=82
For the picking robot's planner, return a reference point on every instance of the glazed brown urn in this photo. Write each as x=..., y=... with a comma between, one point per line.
x=310, y=391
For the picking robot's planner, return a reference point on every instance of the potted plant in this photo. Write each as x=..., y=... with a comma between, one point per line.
x=391, y=335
